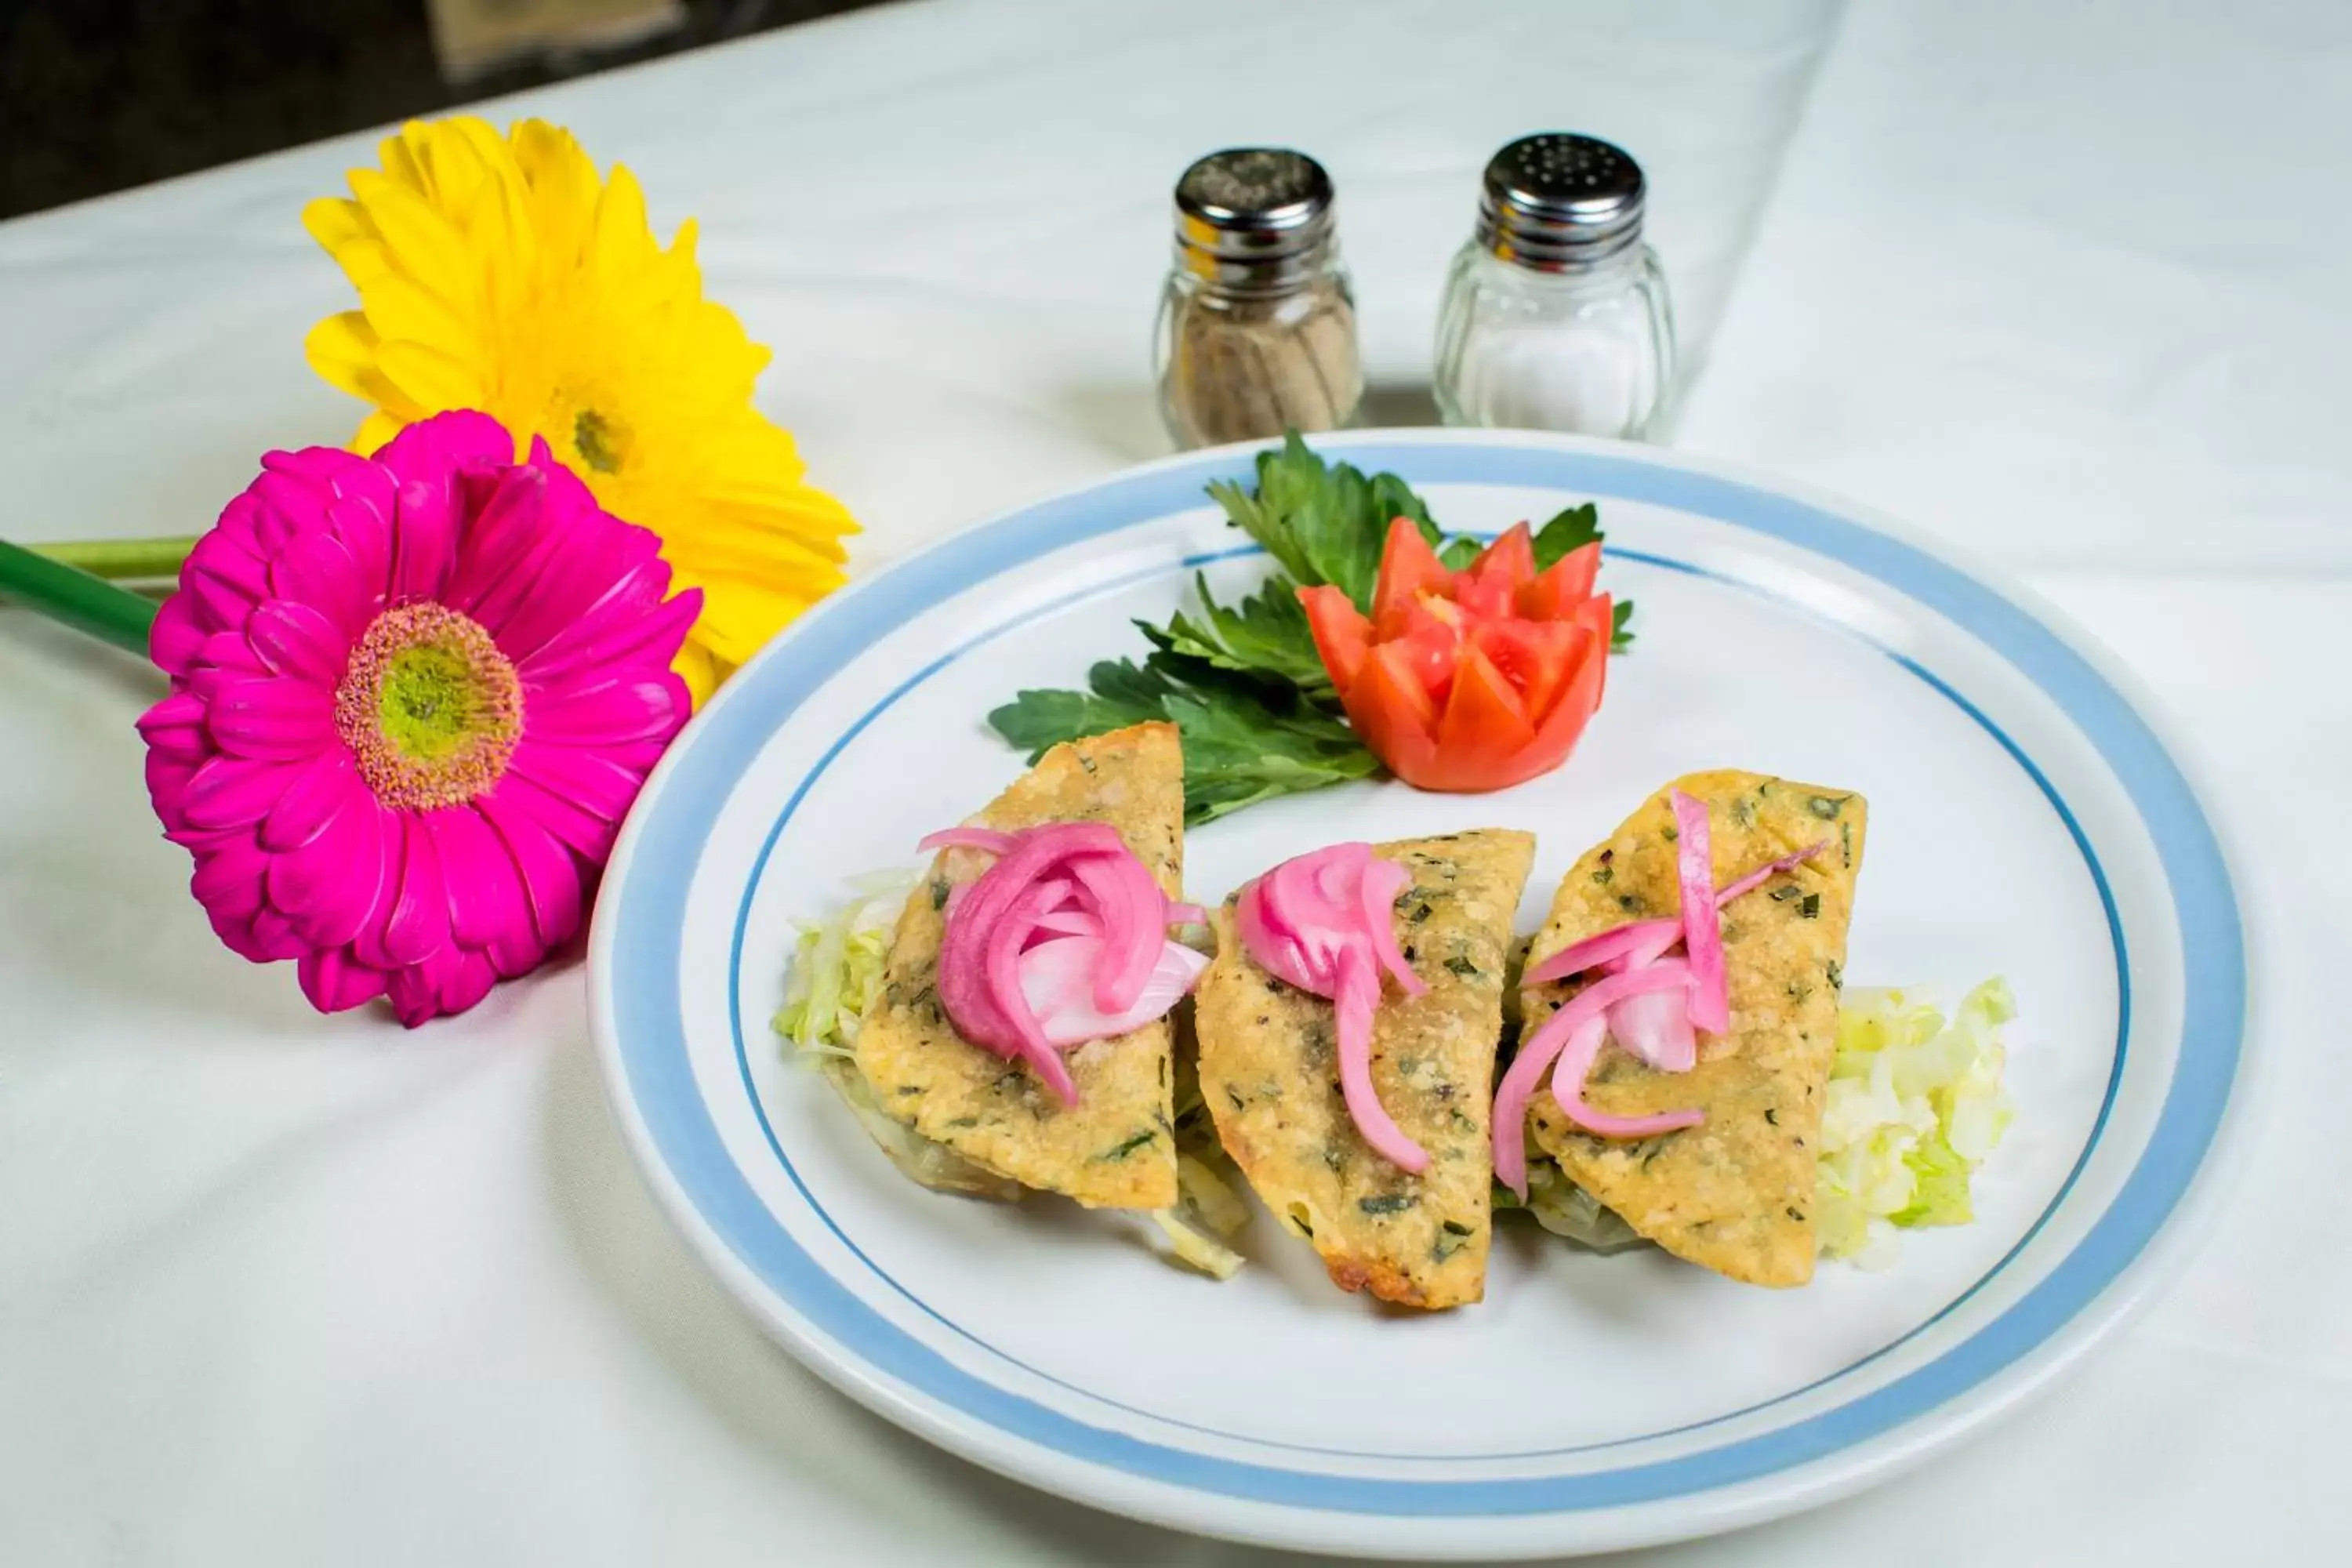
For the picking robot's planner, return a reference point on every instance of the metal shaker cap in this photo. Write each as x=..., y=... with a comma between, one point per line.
x=1555, y=200
x=1252, y=216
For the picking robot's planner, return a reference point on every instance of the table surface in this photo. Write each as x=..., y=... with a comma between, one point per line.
x=2063, y=284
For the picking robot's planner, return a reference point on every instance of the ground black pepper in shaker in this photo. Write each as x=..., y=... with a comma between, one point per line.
x=1258, y=323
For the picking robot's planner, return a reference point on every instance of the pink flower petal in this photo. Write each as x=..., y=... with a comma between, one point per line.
x=173, y=642
x=288, y=505
x=228, y=881
x=365, y=534
x=509, y=547
x=273, y=937
x=414, y=991
x=175, y=727
x=224, y=653
x=445, y=444
x=427, y=460
x=338, y=885
x=587, y=779
x=167, y=786
x=520, y=957
x=389, y=845
x=550, y=878
x=325, y=788
x=423, y=543
x=584, y=832
x=241, y=522
x=317, y=569
x=335, y=980
x=230, y=792
x=599, y=711
x=486, y=894
x=319, y=471
x=614, y=590
x=460, y=985
x=293, y=639
x=224, y=580
x=272, y=719
x=611, y=636
x=418, y=927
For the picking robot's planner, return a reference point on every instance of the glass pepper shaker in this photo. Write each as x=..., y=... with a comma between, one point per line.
x=1257, y=324
x=1555, y=315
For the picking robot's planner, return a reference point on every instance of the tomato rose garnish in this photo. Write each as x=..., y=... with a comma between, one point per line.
x=1472, y=679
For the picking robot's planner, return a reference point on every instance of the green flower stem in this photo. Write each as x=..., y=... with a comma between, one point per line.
x=75, y=598
x=118, y=560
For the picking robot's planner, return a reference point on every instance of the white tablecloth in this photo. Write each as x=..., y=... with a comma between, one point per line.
x=2065, y=283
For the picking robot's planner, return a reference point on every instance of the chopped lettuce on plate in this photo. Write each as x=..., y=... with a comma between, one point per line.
x=1915, y=1103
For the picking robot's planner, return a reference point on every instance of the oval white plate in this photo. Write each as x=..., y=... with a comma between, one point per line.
x=2024, y=820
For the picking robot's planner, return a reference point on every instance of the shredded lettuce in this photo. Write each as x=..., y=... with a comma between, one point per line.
x=1207, y=1210
x=837, y=967
x=837, y=972
x=1915, y=1103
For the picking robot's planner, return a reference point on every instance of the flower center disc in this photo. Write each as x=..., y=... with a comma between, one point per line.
x=429, y=707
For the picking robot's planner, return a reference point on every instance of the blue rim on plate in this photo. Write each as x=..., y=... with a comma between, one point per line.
x=640, y=1018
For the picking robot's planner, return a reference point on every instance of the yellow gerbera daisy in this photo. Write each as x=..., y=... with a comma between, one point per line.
x=503, y=274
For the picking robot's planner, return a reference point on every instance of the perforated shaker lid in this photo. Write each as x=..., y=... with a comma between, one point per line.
x=1558, y=199
x=1252, y=210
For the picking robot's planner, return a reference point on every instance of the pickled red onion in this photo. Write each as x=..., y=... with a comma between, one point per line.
x=1382, y=881
x=1765, y=873
x=1053, y=975
x=1655, y=1027
x=1567, y=1090
x=1003, y=945
x=1324, y=922
x=1595, y=950
x=1710, y=993
x=1134, y=914
x=988, y=839
x=1055, y=885
x=1069, y=922
x=1634, y=1000
x=1602, y=948
x=1359, y=996
x=1539, y=1049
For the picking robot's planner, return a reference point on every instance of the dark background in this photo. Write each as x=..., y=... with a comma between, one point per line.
x=97, y=95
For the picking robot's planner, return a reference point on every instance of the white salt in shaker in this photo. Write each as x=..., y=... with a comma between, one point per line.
x=1556, y=316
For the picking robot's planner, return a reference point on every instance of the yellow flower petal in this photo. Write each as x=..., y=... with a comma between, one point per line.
x=436, y=381
x=501, y=272
x=343, y=350
x=562, y=184
x=700, y=672
x=402, y=310
x=737, y=618
x=418, y=241
x=375, y=431
x=621, y=241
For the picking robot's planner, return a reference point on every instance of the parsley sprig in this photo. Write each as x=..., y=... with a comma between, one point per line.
x=1242, y=680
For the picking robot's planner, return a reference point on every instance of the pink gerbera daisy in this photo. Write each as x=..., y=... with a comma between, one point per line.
x=412, y=698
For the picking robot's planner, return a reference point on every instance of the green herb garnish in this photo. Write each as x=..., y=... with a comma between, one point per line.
x=1243, y=681
x=1122, y=1150
x=1243, y=744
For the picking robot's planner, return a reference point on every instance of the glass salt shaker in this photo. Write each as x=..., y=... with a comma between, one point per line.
x=1258, y=323
x=1555, y=315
